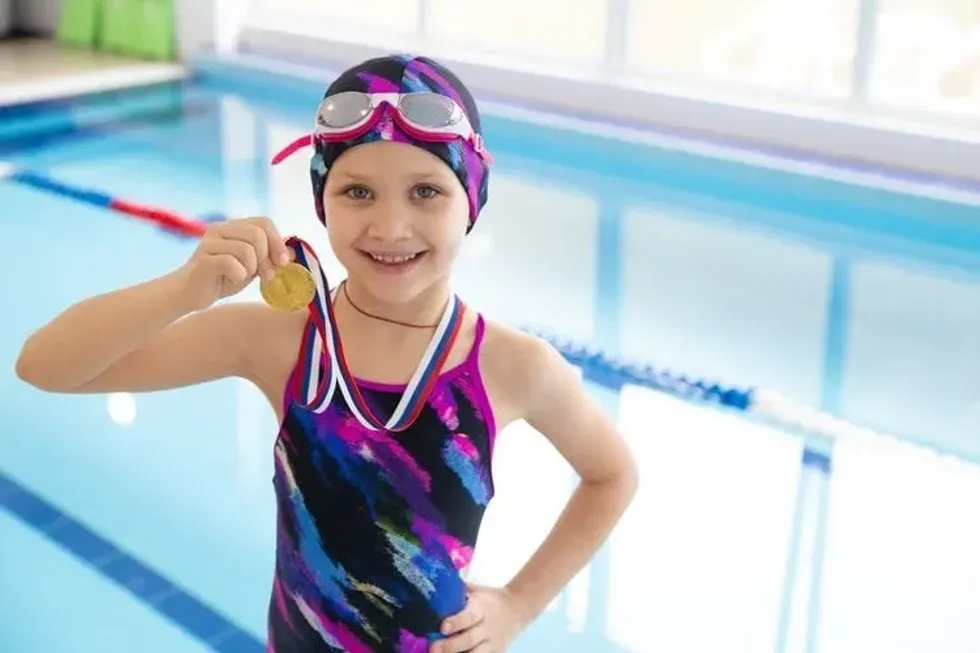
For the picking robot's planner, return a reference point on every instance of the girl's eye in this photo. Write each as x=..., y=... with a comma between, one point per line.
x=426, y=192
x=358, y=193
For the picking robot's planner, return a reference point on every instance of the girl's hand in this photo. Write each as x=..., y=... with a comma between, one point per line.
x=230, y=255
x=491, y=621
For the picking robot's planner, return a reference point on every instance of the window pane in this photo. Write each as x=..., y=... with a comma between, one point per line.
x=928, y=53
x=549, y=29
x=800, y=45
x=705, y=541
x=399, y=16
x=900, y=572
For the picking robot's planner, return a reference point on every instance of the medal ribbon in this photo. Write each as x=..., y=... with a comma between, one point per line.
x=325, y=339
x=319, y=376
x=419, y=387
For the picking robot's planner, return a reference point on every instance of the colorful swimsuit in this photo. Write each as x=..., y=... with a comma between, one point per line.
x=375, y=528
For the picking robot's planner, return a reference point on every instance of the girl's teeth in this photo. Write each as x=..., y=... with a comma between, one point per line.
x=392, y=258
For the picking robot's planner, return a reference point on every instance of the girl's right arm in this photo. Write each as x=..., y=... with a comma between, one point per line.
x=163, y=333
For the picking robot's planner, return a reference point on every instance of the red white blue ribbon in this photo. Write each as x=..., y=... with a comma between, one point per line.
x=419, y=387
x=319, y=380
x=326, y=369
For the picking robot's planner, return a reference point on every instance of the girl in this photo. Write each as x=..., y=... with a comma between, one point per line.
x=381, y=485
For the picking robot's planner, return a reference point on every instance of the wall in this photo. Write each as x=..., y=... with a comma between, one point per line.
x=854, y=139
x=795, y=77
x=196, y=22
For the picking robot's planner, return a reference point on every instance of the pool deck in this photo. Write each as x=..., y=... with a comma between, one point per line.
x=39, y=69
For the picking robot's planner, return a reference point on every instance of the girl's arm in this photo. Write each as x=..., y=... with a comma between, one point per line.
x=136, y=340
x=549, y=395
x=163, y=333
x=559, y=407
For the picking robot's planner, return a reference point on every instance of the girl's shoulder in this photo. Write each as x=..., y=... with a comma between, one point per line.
x=516, y=350
x=270, y=342
x=537, y=385
x=516, y=366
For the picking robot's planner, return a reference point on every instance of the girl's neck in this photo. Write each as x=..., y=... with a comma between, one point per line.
x=426, y=308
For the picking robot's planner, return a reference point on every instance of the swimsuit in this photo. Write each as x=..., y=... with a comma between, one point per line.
x=376, y=528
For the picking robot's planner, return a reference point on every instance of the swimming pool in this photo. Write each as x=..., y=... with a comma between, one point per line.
x=146, y=523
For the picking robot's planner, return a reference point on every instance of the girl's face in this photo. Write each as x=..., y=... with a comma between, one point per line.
x=396, y=216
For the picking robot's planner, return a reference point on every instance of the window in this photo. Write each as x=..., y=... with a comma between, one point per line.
x=386, y=16
x=927, y=53
x=548, y=29
x=705, y=540
x=913, y=330
x=900, y=571
x=800, y=45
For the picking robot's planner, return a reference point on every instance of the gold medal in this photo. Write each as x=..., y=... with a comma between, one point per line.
x=291, y=289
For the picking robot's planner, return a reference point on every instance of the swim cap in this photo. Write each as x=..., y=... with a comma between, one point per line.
x=407, y=74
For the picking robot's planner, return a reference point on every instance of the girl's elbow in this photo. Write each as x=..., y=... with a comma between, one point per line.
x=630, y=478
x=33, y=372
x=27, y=372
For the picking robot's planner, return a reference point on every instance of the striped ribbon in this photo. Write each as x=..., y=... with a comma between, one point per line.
x=325, y=366
x=319, y=374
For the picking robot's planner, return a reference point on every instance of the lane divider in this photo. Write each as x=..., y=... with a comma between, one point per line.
x=820, y=430
x=169, y=221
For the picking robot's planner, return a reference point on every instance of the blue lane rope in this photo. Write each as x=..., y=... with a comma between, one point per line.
x=40, y=182
x=614, y=373
x=768, y=406
x=168, y=221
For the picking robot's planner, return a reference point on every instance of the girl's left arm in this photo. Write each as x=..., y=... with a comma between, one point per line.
x=559, y=408
x=555, y=403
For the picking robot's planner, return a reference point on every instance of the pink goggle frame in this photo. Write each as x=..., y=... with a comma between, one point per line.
x=428, y=117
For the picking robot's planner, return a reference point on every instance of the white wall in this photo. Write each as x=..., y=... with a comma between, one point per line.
x=195, y=25
x=855, y=134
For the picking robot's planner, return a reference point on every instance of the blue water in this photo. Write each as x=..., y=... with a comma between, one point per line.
x=146, y=523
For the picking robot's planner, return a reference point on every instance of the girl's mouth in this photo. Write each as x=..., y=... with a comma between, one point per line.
x=394, y=261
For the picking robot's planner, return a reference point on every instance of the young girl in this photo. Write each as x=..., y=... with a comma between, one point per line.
x=381, y=485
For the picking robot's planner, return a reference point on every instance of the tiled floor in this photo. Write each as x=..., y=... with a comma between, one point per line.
x=67, y=542
x=55, y=601
x=37, y=69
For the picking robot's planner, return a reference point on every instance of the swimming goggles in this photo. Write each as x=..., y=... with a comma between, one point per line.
x=426, y=116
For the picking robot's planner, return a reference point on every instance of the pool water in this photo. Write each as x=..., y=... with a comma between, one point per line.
x=147, y=522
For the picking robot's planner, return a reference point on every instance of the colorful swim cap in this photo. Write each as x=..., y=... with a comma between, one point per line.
x=400, y=76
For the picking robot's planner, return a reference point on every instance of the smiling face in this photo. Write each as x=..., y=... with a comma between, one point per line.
x=396, y=216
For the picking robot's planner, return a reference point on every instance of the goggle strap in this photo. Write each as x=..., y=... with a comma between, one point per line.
x=481, y=148
x=292, y=148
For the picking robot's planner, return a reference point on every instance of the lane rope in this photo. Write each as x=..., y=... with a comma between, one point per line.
x=169, y=221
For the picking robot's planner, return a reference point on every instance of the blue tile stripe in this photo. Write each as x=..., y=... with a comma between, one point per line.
x=31, y=140
x=36, y=107
x=128, y=572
